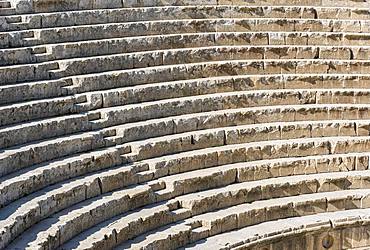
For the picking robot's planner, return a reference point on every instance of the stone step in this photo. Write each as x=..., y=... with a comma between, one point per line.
x=186, y=40
x=33, y=110
x=269, y=189
x=40, y=176
x=29, y=91
x=97, y=16
x=133, y=77
x=69, y=194
x=12, y=19
x=328, y=3
x=342, y=226
x=80, y=103
x=130, y=29
x=87, y=65
x=43, y=204
x=9, y=21
x=38, y=109
x=63, y=222
x=49, y=128
x=92, y=238
x=41, y=90
x=232, y=100
x=60, y=170
x=156, y=147
x=61, y=126
x=54, y=232
x=193, y=87
x=110, y=101
x=149, y=217
x=230, y=154
x=207, y=102
x=126, y=78
x=178, y=124
x=241, y=216
x=182, y=142
x=156, y=124
x=30, y=154
x=65, y=5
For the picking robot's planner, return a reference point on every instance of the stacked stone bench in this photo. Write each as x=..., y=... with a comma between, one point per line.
x=184, y=124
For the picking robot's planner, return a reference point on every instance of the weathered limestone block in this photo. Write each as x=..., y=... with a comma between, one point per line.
x=158, y=124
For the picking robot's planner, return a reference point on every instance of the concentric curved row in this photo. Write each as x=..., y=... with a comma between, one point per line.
x=174, y=124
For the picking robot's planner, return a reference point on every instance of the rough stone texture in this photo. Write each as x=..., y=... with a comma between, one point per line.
x=208, y=124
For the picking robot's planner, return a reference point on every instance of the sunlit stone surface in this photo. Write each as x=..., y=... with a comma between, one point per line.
x=203, y=124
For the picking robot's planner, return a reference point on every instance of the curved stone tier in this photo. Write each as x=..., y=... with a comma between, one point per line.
x=208, y=124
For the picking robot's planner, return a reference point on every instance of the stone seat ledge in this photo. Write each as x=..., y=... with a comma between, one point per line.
x=49, y=174
x=78, y=216
x=114, y=99
x=44, y=52
x=36, y=6
x=164, y=73
x=90, y=187
x=255, y=236
x=87, y=187
x=214, y=225
x=168, y=145
x=34, y=37
x=56, y=127
x=326, y=95
x=87, y=65
x=158, y=124
x=15, y=93
x=228, y=67
x=67, y=53
x=96, y=16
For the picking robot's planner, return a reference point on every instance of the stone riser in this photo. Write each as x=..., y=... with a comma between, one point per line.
x=287, y=233
x=126, y=78
x=71, y=67
x=44, y=108
x=88, y=187
x=175, y=72
x=188, y=71
x=27, y=91
x=20, y=158
x=243, y=193
x=173, y=122
x=65, y=5
x=108, y=46
x=238, y=217
x=91, y=82
x=99, y=31
x=138, y=130
x=97, y=16
x=135, y=131
x=162, y=146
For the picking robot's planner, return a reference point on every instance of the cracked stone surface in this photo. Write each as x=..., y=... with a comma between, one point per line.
x=178, y=124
